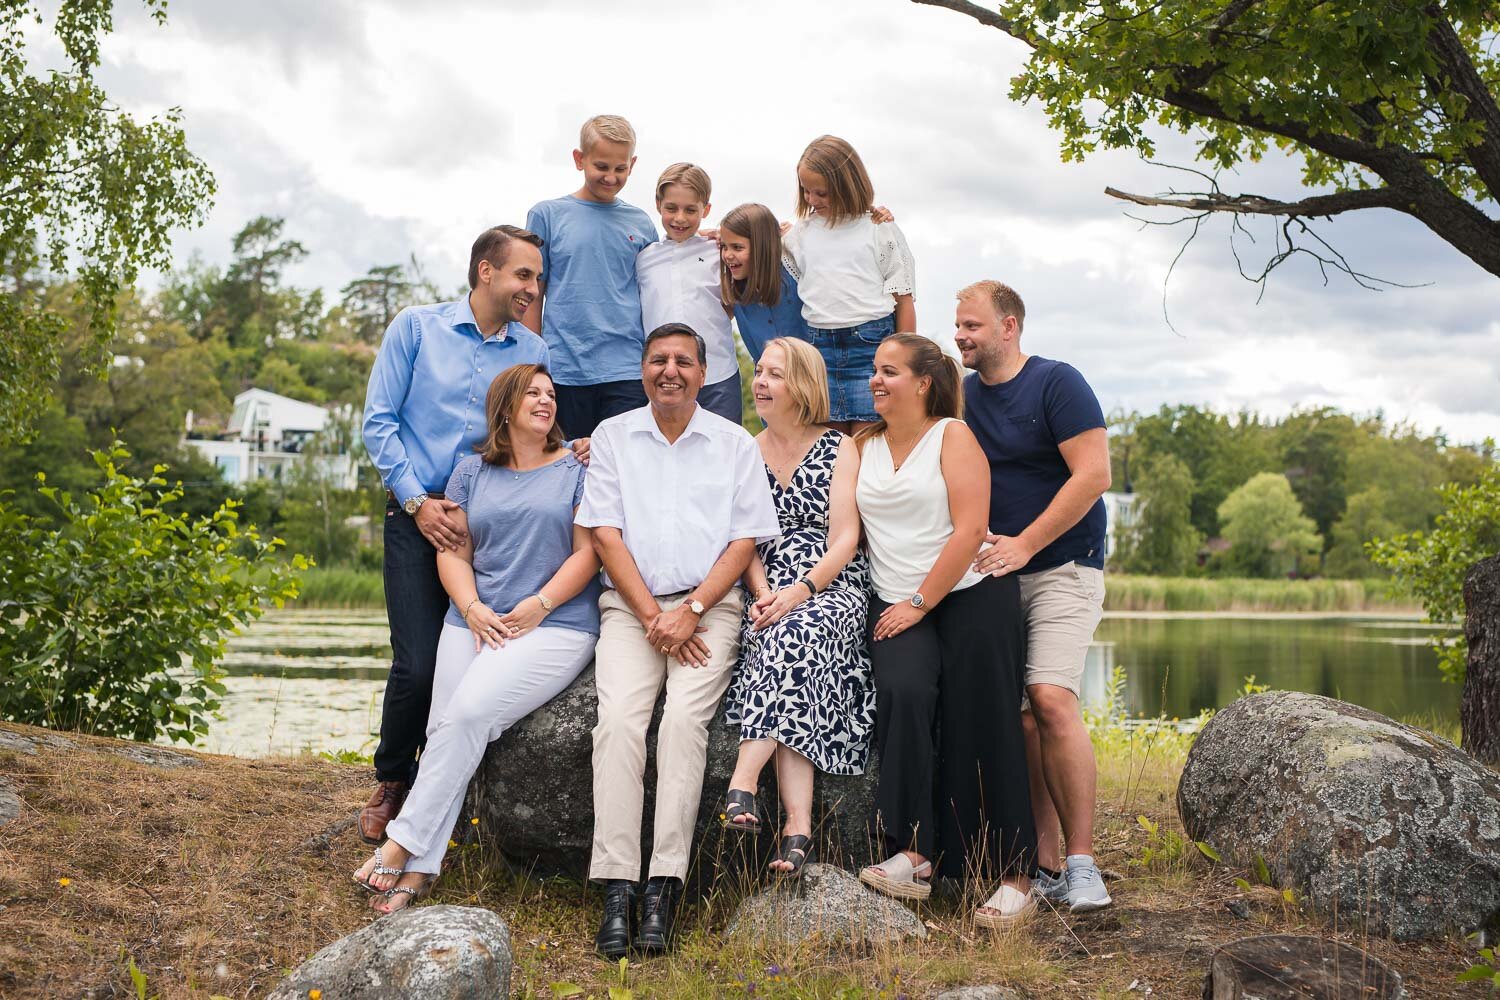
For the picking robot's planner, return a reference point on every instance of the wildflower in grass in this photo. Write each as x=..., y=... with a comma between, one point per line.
x=452, y=844
x=64, y=882
x=474, y=821
x=314, y=995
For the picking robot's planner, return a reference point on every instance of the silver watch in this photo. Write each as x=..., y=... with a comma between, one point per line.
x=918, y=601
x=412, y=504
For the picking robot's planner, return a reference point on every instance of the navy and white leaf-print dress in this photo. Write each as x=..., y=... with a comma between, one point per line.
x=805, y=681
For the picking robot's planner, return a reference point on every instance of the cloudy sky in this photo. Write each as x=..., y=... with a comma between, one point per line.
x=379, y=129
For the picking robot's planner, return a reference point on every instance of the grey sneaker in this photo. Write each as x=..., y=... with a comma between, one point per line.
x=1053, y=890
x=1086, y=889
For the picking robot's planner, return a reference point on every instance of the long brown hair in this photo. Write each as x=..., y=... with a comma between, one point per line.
x=925, y=358
x=850, y=193
x=503, y=400
x=757, y=224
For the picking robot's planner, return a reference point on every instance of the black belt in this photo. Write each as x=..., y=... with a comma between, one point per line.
x=391, y=497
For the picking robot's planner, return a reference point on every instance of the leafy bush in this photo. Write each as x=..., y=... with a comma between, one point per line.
x=116, y=608
x=1431, y=565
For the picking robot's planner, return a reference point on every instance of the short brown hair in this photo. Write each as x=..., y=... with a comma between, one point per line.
x=493, y=245
x=850, y=193
x=611, y=128
x=1001, y=296
x=926, y=359
x=757, y=224
x=504, y=398
x=690, y=176
x=806, y=378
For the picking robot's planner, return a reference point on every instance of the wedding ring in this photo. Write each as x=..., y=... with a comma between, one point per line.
x=664, y=649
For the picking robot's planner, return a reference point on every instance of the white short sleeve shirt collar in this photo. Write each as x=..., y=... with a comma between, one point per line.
x=680, y=284
x=678, y=505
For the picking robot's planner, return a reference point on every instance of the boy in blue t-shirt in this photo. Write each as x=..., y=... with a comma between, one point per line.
x=589, y=309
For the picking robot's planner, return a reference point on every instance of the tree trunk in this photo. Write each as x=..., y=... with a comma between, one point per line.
x=1286, y=967
x=1479, y=712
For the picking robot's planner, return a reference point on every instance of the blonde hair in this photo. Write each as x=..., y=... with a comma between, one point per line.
x=945, y=397
x=690, y=176
x=806, y=378
x=611, y=128
x=850, y=193
x=1001, y=296
x=757, y=224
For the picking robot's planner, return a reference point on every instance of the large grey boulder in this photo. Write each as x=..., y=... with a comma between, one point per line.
x=831, y=907
x=534, y=797
x=10, y=802
x=433, y=952
x=1371, y=820
x=980, y=993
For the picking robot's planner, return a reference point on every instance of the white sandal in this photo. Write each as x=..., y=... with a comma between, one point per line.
x=896, y=876
x=1012, y=905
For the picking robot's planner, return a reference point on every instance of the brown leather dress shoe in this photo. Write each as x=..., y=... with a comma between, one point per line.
x=385, y=803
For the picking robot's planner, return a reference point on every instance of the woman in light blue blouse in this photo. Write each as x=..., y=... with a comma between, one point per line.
x=522, y=625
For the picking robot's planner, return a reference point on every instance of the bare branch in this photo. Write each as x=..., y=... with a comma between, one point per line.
x=1254, y=204
x=983, y=15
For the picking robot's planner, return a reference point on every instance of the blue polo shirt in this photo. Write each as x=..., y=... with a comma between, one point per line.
x=591, y=315
x=1019, y=425
x=759, y=325
x=424, y=407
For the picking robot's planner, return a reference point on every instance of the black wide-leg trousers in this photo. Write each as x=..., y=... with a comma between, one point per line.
x=948, y=690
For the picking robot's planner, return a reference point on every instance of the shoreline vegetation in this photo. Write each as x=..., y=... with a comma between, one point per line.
x=352, y=589
x=234, y=870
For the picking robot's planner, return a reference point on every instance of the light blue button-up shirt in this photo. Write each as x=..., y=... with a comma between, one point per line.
x=424, y=408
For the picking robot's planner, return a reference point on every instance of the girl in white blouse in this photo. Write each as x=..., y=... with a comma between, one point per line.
x=855, y=275
x=947, y=647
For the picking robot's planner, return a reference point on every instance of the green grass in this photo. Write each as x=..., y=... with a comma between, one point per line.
x=351, y=588
x=341, y=588
x=1152, y=593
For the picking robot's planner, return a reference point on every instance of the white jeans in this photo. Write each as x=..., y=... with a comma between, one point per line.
x=475, y=698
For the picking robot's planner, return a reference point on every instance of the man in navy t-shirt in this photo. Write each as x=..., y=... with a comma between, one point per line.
x=1042, y=430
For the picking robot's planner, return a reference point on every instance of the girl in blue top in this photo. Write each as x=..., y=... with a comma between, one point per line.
x=754, y=282
x=522, y=624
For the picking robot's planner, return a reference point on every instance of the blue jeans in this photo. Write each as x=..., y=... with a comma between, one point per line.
x=415, y=603
x=580, y=408
x=724, y=399
x=849, y=355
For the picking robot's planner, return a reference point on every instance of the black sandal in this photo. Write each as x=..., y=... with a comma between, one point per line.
x=795, y=850
x=740, y=803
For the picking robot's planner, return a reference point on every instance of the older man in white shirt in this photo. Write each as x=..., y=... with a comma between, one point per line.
x=677, y=498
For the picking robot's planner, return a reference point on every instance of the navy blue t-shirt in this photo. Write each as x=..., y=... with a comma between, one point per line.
x=1019, y=424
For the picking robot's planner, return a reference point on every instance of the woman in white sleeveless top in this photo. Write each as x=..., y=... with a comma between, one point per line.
x=947, y=645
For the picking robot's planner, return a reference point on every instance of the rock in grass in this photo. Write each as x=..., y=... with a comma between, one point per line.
x=1370, y=820
x=830, y=904
x=1277, y=966
x=433, y=952
x=10, y=802
x=534, y=797
x=980, y=993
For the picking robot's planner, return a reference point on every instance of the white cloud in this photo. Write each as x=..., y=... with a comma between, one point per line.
x=381, y=128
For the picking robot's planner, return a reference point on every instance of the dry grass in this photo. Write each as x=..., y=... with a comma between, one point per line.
x=212, y=879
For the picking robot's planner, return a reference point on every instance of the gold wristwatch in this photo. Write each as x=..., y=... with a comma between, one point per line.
x=546, y=601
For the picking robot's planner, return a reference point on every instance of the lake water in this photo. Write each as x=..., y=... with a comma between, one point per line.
x=312, y=680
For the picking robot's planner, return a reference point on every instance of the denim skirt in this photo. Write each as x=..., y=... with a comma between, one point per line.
x=849, y=355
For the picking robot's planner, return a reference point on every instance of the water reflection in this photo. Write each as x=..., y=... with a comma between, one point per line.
x=312, y=680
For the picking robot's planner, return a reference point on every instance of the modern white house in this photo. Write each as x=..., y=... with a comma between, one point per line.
x=1120, y=511
x=268, y=438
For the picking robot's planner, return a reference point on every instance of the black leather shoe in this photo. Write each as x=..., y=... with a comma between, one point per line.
x=658, y=915
x=618, y=925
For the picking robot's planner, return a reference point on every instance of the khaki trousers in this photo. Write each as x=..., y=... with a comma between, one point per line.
x=629, y=674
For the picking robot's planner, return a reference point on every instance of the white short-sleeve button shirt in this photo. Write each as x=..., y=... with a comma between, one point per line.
x=680, y=504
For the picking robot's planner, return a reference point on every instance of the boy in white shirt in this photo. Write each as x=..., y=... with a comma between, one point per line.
x=679, y=281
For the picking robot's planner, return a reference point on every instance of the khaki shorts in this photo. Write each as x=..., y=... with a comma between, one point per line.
x=1063, y=606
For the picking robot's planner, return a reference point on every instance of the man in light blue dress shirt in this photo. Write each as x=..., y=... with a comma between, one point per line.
x=424, y=410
